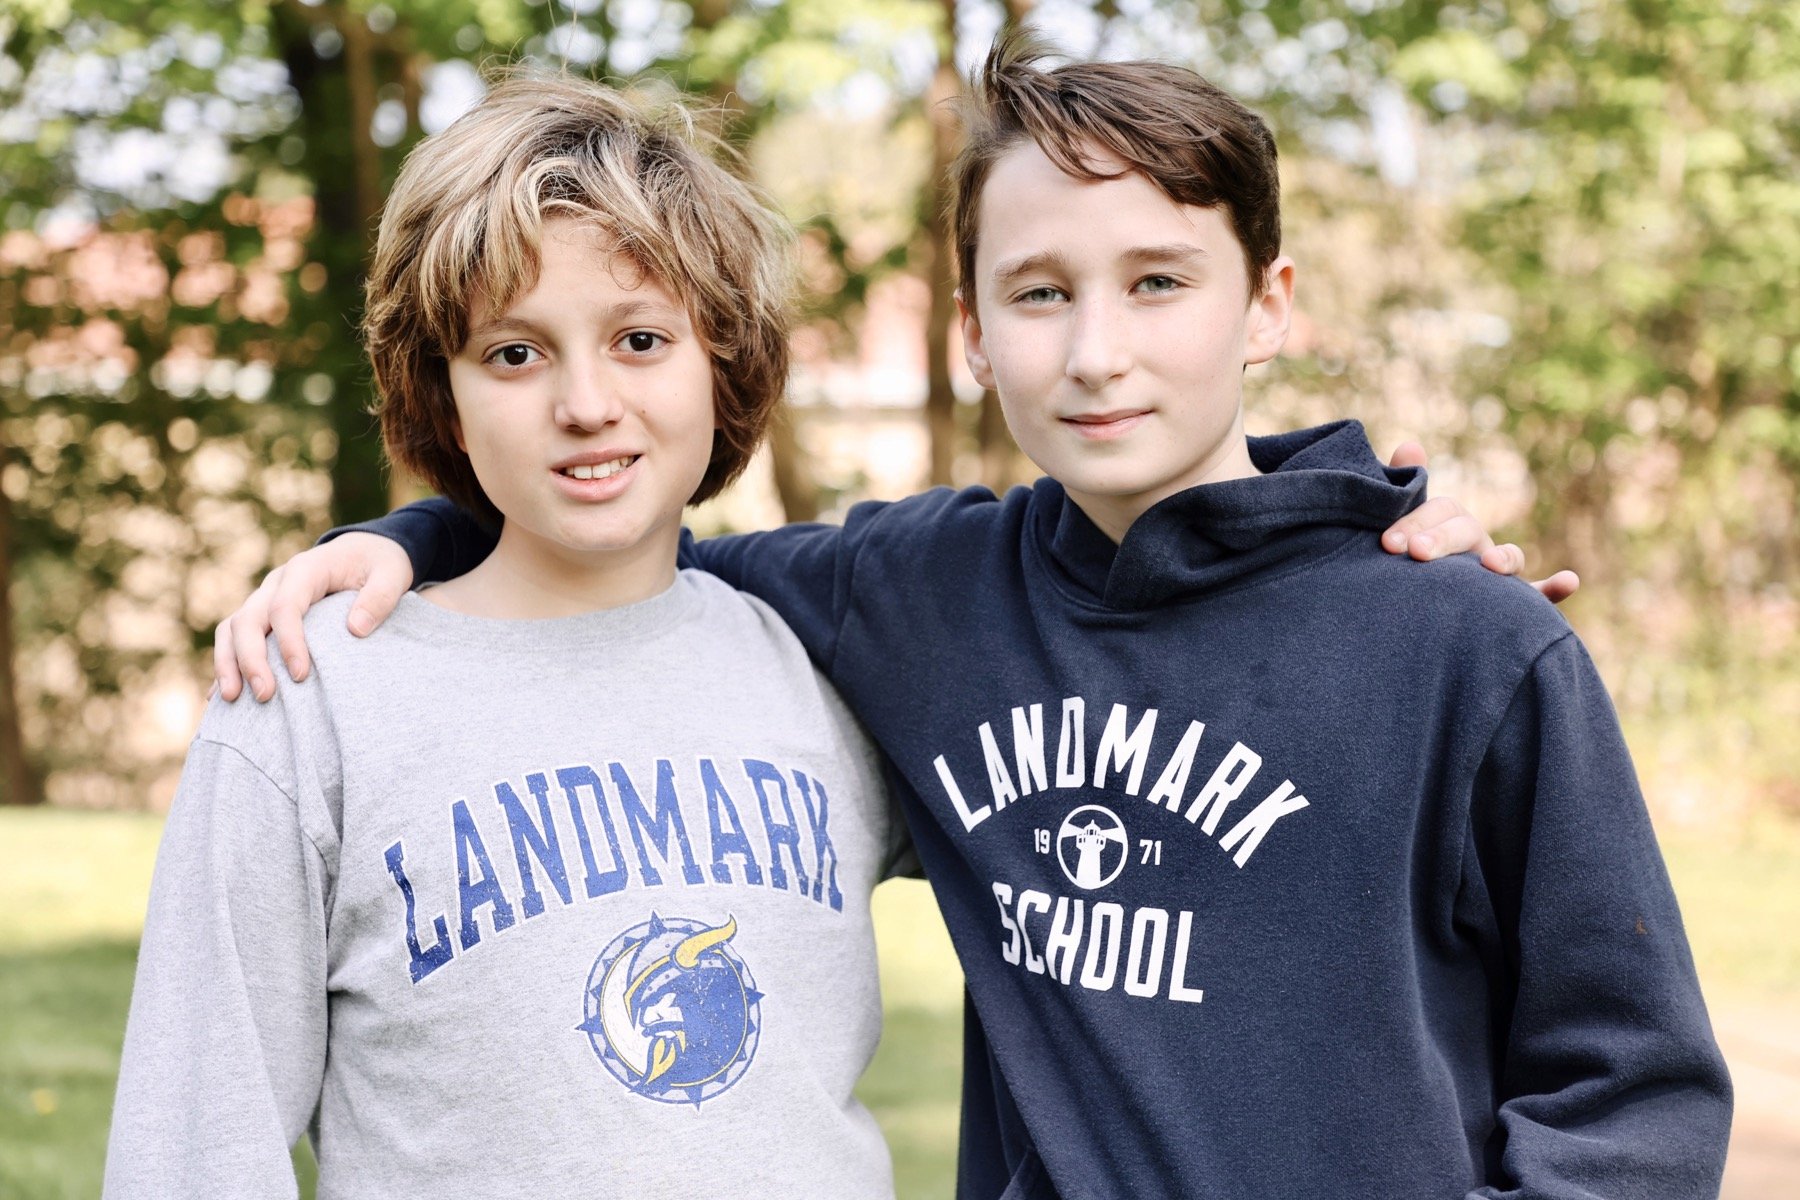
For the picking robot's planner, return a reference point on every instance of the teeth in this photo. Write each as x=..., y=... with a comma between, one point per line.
x=600, y=470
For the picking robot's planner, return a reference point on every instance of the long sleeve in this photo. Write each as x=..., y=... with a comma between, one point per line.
x=442, y=540
x=803, y=572
x=1610, y=1083
x=225, y=1045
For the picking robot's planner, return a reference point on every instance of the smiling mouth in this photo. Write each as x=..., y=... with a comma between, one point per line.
x=603, y=470
x=1107, y=426
x=1111, y=418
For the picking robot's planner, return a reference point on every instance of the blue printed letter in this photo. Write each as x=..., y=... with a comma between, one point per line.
x=823, y=850
x=599, y=883
x=666, y=820
x=727, y=830
x=780, y=834
x=422, y=962
x=538, y=837
x=473, y=893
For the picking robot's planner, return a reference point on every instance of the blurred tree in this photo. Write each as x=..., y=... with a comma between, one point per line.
x=1636, y=189
x=146, y=239
x=1590, y=208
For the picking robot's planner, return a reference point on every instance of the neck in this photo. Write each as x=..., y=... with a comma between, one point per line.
x=526, y=578
x=1114, y=515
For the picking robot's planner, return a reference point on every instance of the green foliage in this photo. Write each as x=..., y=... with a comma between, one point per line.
x=147, y=393
x=75, y=904
x=1636, y=191
x=1612, y=186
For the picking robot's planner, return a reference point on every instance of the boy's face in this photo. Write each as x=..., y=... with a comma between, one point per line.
x=1115, y=325
x=586, y=409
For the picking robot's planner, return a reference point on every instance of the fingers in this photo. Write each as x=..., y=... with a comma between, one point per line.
x=226, y=677
x=372, y=563
x=298, y=591
x=376, y=600
x=1559, y=587
x=1437, y=527
x=1408, y=454
x=1506, y=559
x=249, y=638
x=379, y=569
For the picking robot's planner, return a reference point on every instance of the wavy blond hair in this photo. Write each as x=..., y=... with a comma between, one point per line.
x=465, y=222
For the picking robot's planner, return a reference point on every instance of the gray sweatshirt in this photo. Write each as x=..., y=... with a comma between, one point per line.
x=572, y=907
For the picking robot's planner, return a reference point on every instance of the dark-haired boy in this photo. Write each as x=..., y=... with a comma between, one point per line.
x=1277, y=865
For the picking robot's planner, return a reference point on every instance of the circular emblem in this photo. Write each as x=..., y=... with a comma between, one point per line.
x=1091, y=846
x=671, y=1010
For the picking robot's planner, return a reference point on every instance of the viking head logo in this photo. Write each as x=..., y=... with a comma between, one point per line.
x=671, y=1009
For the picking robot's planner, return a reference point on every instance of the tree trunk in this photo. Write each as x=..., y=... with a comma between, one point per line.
x=337, y=102
x=936, y=257
x=19, y=782
x=795, y=484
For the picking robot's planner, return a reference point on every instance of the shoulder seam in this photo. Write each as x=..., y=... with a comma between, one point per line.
x=1487, y=739
x=270, y=780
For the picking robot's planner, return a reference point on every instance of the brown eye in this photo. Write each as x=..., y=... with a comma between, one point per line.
x=515, y=356
x=642, y=342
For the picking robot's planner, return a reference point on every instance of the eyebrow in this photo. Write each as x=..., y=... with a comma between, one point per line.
x=1172, y=253
x=625, y=310
x=1166, y=254
x=1012, y=269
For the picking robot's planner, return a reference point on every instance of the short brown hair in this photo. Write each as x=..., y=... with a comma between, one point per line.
x=1189, y=138
x=465, y=222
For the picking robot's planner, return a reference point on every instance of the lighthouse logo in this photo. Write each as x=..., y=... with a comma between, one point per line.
x=672, y=1011
x=1091, y=846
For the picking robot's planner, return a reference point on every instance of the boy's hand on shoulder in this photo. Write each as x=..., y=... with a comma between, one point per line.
x=1443, y=526
x=375, y=565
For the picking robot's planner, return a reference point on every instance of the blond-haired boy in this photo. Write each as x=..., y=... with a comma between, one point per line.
x=558, y=886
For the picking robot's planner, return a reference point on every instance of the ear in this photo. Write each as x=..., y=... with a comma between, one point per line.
x=1271, y=314
x=974, y=347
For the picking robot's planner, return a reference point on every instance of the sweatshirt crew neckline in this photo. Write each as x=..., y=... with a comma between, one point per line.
x=418, y=616
x=1318, y=487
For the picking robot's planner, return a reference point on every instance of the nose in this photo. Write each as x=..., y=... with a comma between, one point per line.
x=587, y=398
x=1099, y=345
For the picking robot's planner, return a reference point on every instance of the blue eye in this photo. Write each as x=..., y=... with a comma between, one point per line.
x=1041, y=295
x=1158, y=283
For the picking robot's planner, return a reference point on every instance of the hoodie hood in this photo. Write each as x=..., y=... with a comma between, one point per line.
x=1319, y=487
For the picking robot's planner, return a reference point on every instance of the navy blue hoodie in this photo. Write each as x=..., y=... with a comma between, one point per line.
x=1278, y=865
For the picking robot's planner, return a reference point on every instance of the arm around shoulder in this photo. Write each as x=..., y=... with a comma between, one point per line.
x=442, y=540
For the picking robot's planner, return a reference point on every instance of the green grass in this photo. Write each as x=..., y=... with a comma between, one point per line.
x=1740, y=900
x=73, y=887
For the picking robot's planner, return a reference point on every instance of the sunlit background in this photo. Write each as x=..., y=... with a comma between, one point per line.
x=1558, y=243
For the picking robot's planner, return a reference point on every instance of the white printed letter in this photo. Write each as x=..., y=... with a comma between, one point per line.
x=1223, y=787
x=1103, y=936
x=1143, y=968
x=1010, y=950
x=1071, y=747
x=1173, y=780
x=1251, y=829
x=969, y=819
x=1178, y=988
x=1030, y=901
x=1028, y=749
x=1118, y=749
x=999, y=782
x=1065, y=938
